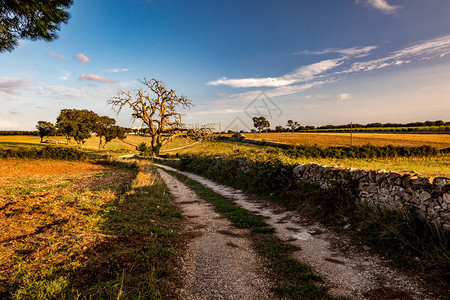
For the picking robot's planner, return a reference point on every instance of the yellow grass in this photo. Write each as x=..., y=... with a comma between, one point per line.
x=439, y=141
x=427, y=166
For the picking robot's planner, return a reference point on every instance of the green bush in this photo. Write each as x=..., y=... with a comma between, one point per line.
x=144, y=149
x=47, y=152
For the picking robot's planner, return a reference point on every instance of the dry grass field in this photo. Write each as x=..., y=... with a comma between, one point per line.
x=428, y=166
x=126, y=146
x=74, y=229
x=439, y=141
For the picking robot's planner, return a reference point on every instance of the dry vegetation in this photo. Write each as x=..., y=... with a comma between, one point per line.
x=428, y=166
x=439, y=141
x=74, y=229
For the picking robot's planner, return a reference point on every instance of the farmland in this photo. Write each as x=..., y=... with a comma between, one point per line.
x=439, y=141
x=78, y=229
x=428, y=166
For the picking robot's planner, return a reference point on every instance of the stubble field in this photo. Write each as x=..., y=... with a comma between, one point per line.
x=77, y=229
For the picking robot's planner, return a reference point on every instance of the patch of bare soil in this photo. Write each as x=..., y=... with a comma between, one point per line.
x=349, y=271
x=219, y=262
x=40, y=167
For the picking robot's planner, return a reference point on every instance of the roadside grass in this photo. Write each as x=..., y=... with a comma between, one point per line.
x=439, y=141
x=135, y=140
x=91, y=144
x=433, y=166
x=293, y=279
x=86, y=231
x=397, y=235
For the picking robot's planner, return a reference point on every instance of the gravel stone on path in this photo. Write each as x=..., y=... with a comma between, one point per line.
x=349, y=271
x=219, y=262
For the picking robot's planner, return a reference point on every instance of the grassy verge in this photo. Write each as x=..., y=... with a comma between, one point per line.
x=398, y=235
x=85, y=231
x=294, y=279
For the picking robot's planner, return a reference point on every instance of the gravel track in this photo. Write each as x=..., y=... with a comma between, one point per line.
x=219, y=262
x=350, y=271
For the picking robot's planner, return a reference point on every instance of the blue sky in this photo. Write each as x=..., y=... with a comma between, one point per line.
x=316, y=62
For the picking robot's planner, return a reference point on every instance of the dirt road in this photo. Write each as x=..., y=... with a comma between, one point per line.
x=219, y=261
x=349, y=271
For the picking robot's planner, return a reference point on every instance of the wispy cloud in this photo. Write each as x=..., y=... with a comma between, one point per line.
x=65, y=75
x=344, y=96
x=324, y=72
x=94, y=77
x=12, y=85
x=308, y=107
x=302, y=74
x=115, y=70
x=12, y=112
x=8, y=125
x=381, y=5
x=53, y=54
x=354, y=51
x=422, y=50
x=82, y=58
x=222, y=111
x=84, y=93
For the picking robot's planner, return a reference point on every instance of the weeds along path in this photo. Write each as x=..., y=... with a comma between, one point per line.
x=350, y=271
x=219, y=262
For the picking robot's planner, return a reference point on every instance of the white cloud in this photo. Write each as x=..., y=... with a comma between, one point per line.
x=86, y=93
x=302, y=74
x=8, y=125
x=422, y=50
x=381, y=5
x=354, y=51
x=11, y=85
x=308, y=107
x=65, y=75
x=115, y=70
x=60, y=56
x=222, y=111
x=94, y=77
x=82, y=58
x=344, y=96
x=252, y=82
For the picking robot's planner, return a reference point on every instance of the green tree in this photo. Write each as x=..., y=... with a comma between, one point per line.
x=76, y=124
x=260, y=123
x=31, y=19
x=156, y=109
x=293, y=125
x=106, y=130
x=45, y=129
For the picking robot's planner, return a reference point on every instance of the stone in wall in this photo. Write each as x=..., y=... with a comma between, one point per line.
x=407, y=190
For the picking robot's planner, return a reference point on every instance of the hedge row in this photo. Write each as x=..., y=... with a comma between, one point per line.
x=433, y=129
x=18, y=132
x=254, y=176
x=366, y=151
x=47, y=152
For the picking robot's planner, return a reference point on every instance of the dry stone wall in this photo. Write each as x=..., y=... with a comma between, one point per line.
x=430, y=200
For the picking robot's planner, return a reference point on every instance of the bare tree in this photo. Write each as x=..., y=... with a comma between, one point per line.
x=156, y=109
x=201, y=132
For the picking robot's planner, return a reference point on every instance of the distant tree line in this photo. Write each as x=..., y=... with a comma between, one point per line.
x=379, y=125
x=294, y=126
x=19, y=132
